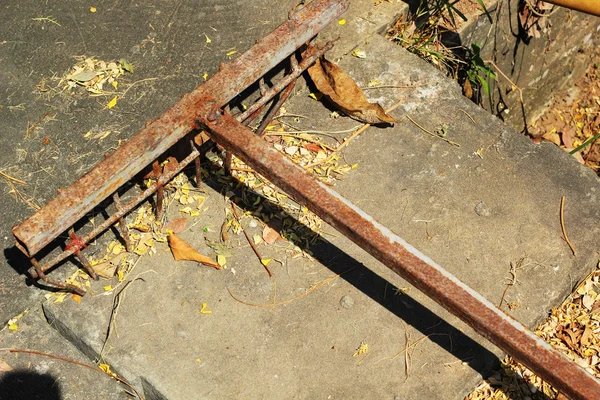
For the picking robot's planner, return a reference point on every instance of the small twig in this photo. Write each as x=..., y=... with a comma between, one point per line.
x=431, y=133
x=514, y=86
x=49, y=18
x=389, y=87
x=92, y=367
x=562, y=224
x=235, y=214
x=314, y=132
x=347, y=141
x=312, y=289
x=503, y=294
x=112, y=320
x=10, y=182
x=135, y=83
x=6, y=176
x=539, y=14
x=290, y=116
x=513, y=280
x=468, y=115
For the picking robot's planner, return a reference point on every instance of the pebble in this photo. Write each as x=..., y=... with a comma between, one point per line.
x=253, y=224
x=482, y=210
x=347, y=302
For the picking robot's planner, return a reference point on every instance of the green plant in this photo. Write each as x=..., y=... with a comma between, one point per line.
x=429, y=33
x=479, y=73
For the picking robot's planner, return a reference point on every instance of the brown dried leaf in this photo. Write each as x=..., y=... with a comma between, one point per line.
x=467, y=89
x=183, y=251
x=271, y=233
x=171, y=166
x=4, y=366
x=345, y=94
x=313, y=147
x=142, y=227
x=586, y=336
x=177, y=225
x=201, y=138
x=105, y=269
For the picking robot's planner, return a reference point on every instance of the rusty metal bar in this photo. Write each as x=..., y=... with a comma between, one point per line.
x=72, y=203
x=418, y=269
x=286, y=81
x=110, y=221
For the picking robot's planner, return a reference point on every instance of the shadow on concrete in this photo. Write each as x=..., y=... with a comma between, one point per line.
x=24, y=384
x=377, y=288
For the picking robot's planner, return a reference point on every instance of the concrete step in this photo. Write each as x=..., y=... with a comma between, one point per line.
x=37, y=376
x=476, y=209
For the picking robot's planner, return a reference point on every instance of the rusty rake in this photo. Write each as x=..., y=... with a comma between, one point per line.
x=206, y=109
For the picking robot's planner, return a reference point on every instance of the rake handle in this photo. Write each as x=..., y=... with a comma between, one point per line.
x=587, y=6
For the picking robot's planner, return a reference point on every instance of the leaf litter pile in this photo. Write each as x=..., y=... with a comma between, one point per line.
x=92, y=76
x=573, y=328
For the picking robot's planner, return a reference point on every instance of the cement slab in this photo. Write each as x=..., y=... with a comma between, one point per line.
x=475, y=209
x=35, y=376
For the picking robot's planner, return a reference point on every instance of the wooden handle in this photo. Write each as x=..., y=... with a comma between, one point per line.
x=587, y=6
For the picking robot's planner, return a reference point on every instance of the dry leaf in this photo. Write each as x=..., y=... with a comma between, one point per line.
x=313, y=147
x=76, y=297
x=177, y=225
x=270, y=235
x=345, y=94
x=467, y=89
x=105, y=269
x=588, y=301
x=142, y=227
x=183, y=251
x=586, y=336
x=4, y=367
x=202, y=137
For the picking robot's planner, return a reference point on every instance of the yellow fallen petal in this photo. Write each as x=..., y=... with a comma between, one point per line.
x=92, y=9
x=185, y=189
x=105, y=368
x=221, y=260
x=203, y=310
x=265, y=261
x=13, y=327
x=107, y=288
x=342, y=22
x=112, y=103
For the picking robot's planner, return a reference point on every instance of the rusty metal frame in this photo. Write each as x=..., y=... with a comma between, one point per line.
x=206, y=108
x=104, y=180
